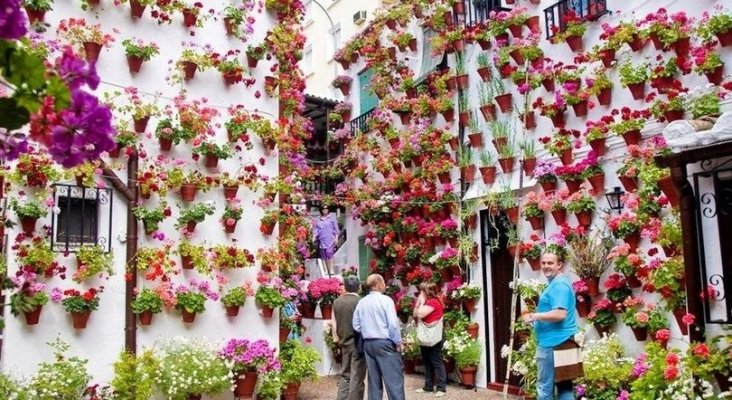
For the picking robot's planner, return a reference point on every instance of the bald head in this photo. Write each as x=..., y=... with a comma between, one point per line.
x=375, y=283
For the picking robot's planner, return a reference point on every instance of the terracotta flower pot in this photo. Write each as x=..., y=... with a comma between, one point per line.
x=716, y=76
x=580, y=109
x=584, y=218
x=326, y=310
x=290, y=391
x=598, y=182
x=188, y=192
x=488, y=174
x=598, y=146
x=145, y=317
x=80, y=319
x=566, y=157
x=211, y=161
x=632, y=137
x=189, y=70
x=307, y=309
x=92, y=50
x=607, y=56
x=464, y=118
x=468, y=173
x=605, y=97
x=548, y=84
x=444, y=177
x=28, y=224
x=245, y=383
x=32, y=317
x=548, y=186
x=669, y=189
x=505, y=102
x=484, y=73
x=573, y=185
x=230, y=228
x=35, y=15
x=188, y=317
x=230, y=191
x=630, y=184
x=681, y=47
x=529, y=165
x=190, y=17
x=488, y=111
x=476, y=139
x=528, y=119
x=448, y=115
x=165, y=144
x=134, y=64
x=632, y=240
x=673, y=115
x=593, y=285
x=537, y=223
x=560, y=216
x=679, y=315
x=640, y=333
x=267, y=229
x=512, y=214
x=533, y=24
x=575, y=43
x=583, y=307
x=506, y=164
x=558, y=120
x=725, y=38
x=467, y=376
x=186, y=262
x=637, y=43
x=638, y=90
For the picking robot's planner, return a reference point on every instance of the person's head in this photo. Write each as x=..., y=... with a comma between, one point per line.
x=352, y=284
x=429, y=289
x=324, y=210
x=551, y=264
x=376, y=283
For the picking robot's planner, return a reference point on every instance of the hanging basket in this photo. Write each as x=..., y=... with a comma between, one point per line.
x=488, y=174
x=32, y=317
x=145, y=317
x=80, y=319
x=560, y=216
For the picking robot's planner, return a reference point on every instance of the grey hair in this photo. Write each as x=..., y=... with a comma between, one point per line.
x=352, y=284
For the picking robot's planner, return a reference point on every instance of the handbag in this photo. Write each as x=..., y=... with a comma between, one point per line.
x=568, y=361
x=429, y=335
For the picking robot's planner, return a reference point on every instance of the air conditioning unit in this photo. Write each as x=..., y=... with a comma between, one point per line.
x=359, y=17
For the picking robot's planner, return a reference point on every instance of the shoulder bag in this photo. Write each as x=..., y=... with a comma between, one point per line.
x=568, y=361
x=429, y=335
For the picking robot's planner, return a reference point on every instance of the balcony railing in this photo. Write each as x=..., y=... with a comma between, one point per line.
x=477, y=11
x=358, y=124
x=586, y=10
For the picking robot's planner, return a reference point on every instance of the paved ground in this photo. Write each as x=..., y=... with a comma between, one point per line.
x=325, y=388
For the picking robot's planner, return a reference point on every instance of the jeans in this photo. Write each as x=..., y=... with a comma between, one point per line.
x=432, y=359
x=545, y=379
x=351, y=385
x=384, y=364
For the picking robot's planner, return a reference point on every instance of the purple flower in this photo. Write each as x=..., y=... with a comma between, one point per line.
x=624, y=395
x=12, y=21
x=12, y=145
x=579, y=390
x=56, y=295
x=85, y=131
x=72, y=70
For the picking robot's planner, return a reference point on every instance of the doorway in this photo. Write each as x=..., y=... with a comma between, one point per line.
x=494, y=247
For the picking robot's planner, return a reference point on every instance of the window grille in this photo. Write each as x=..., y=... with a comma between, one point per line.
x=82, y=216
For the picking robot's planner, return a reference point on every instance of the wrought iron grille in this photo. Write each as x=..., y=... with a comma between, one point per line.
x=477, y=11
x=83, y=216
x=586, y=10
x=358, y=124
x=713, y=197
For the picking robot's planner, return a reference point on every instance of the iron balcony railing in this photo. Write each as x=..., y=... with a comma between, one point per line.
x=477, y=11
x=358, y=124
x=586, y=10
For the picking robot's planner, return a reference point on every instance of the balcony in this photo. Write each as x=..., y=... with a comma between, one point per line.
x=587, y=10
x=477, y=11
x=359, y=123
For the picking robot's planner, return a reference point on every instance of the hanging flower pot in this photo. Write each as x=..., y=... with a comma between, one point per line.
x=459, y=46
x=517, y=57
x=136, y=9
x=506, y=164
x=598, y=182
x=598, y=146
x=633, y=282
x=32, y=317
x=630, y=184
x=537, y=223
x=566, y=157
x=681, y=47
x=605, y=97
x=473, y=328
x=638, y=90
x=484, y=73
x=673, y=115
x=725, y=38
x=489, y=112
x=528, y=119
x=35, y=15
x=134, y=64
x=190, y=17
x=444, y=177
x=472, y=222
x=637, y=43
x=80, y=319
x=404, y=117
x=145, y=317
x=476, y=139
x=657, y=43
x=467, y=374
x=512, y=214
x=679, y=314
x=448, y=115
x=188, y=317
x=464, y=118
x=593, y=285
x=548, y=186
x=462, y=81
x=529, y=165
x=632, y=137
x=191, y=226
x=632, y=240
x=502, y=39
x=534, y=263
x=580, y=109
x=533, y=24
x=92, y=49
x=548, y=84
x=267, y=229
x=583, y=307
x=505, y=102
x=669, y=189
x=165, y=143
x=558, y=119
x=640, y=333
x=715, y=76
x=188, y=192
x=468, y=173
x=670, y=251
x=186, y=262
x=573, y=185
x=232, y=311
x=515, y=32
x=28, y=224
x=245, y=383
x=488, y=174
x=229, y=228
x=607, y=56
x=602, y=330
x=189, y=70
x=484, y=44
x=212, y=161
x=140, y=124
x=230, y=191
x=584, y=218
x=560, y=216
x=575, y=43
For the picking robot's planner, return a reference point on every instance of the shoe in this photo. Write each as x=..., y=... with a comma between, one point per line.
x=420, y=390
x=439, y=394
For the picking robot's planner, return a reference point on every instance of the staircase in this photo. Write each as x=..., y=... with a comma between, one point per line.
x=316, y=266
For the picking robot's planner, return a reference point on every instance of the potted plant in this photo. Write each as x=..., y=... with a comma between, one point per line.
x=66, y=377
x=582, y=205
x=35, y=170
x=247, y=360
x=198, y=360
x=37, y=9
x=146, y=303
x=704, y=104
x=487, y=168
x=152, y=217
x=92, y=260
x=225, y=257
x=634, y=77
x=717, y=24
x=254, y=55
x=213, y=153
x=343, y=82
x=80, y=305
x=234, y=17
x=602, y=316
x=188, y=182
x=30, y=302
x=298, y=364
x=467, y=360
x=194, y=257
x=532, y=212
x=468, y=293
x=630, y=124
x=574, y=28
x=194, y=215
x=268, y=221
x=190, y=300
x=268, y=297
x=83, y=35
x=28, y=212
x=191, y=61
x=232, y=214
x=137, y=52
x=269, y=386
x=325, y=291
x=235, y=298
x=588, y=256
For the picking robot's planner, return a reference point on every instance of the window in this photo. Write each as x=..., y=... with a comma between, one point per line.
x=335, y=34
x=429, y=61
x=81, y=216
x=586, y=10
x=367, y=99
x=307, y=60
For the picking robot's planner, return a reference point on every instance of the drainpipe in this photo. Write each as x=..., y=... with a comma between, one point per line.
x=129, y=192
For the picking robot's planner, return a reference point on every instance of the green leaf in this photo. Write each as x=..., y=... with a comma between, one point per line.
x=57, y=88
x=26, y=68
x=12, y=116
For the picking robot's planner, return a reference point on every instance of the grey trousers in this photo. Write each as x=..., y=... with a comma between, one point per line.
x=384, y=364
x=351, y=385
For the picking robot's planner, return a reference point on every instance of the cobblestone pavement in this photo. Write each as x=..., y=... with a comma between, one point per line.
x=325, y=388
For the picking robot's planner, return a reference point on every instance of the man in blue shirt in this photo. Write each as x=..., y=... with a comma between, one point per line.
x=554, y=323
x=376, y=320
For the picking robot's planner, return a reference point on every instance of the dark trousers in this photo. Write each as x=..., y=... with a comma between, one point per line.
x=384, y=364
x=432, y=360
x=351, y=385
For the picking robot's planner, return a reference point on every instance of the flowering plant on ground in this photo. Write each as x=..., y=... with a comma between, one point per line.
x=147, y=300
x=325, y=290
x=225, y=257
x=237, y=295
x=245, y=356
x=92, y=260
x=196, y=214
x=75, y=301
x=602, y=313
x=607, y=369
x=64, y=378
x=138, y=48
x=195, y=359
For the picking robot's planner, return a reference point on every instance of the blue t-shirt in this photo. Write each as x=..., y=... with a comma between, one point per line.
x=558, y=294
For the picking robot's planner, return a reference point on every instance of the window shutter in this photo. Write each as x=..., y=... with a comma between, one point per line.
x=367, y=99
x=429, y=62
x=364, y=258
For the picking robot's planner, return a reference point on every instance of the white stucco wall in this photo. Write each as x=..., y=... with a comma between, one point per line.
x=103, y=339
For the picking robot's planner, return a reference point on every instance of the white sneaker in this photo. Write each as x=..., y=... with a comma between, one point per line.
x=439, y=394
x=420, y=390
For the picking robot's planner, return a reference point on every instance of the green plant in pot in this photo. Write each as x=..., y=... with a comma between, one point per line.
x=298, y=362
x=133, y=376
x=197, y=360
x=28, y=209
x=152, y=217
x=64, y=378
x=195, y=256
x=147, y=300
x=195, y=215
x=92, y=260
x=236, y=297
x=269, y=386
x=469, y=356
